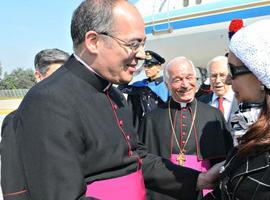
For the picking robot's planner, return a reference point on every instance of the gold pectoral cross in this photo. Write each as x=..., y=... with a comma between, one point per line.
x=181, y=158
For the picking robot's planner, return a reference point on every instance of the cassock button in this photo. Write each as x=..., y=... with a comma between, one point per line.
x=115, y=107
x=184, y=116
x=184, y=133
x=183, y=142
x=121, y=122
x=130, y=153
x=184, y=125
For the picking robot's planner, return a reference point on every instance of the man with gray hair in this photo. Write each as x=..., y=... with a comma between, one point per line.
x=222, y=95
x=186, y=131
x=48, y=61
x=13, y=180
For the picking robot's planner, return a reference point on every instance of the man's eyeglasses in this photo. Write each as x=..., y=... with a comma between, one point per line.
x=222, y=76
x=134, y=46
x=237, y=70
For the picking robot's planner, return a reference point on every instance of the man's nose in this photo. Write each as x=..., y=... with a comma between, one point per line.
x=184, y=83
x=218, y=79
x=140, y=54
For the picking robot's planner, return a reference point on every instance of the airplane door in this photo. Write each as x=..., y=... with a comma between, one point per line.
x=161, y=6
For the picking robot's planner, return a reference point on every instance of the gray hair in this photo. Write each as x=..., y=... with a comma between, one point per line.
x=181, y=59
x=216, y=59
x=47, y=57
x=91, y=15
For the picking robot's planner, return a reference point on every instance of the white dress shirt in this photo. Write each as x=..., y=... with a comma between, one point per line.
x=227, y=103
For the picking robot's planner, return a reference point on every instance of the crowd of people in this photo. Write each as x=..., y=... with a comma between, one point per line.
x=77, y=136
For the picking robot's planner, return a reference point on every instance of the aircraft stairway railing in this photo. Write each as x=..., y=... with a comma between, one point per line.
x=159, y=7
x=168, y=28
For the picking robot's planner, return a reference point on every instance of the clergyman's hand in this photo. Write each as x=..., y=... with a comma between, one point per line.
x=207, y=180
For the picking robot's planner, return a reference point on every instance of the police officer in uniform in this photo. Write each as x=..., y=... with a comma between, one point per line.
x=149, y=93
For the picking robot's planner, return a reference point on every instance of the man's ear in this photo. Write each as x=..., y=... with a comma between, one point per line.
x=91, y=41
x=38, y=76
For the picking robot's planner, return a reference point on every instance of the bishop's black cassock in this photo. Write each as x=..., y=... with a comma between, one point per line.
x=79, y=129
x=209, y=138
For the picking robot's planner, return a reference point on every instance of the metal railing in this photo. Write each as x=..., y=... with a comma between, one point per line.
x=13, y=93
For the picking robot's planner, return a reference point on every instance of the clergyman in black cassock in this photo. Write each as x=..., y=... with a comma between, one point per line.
x=212, y=141
x=200, y=130
x=75, y=129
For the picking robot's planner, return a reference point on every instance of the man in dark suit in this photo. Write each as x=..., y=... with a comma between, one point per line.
x=13, y=181
x=222, y=96
x=75, y=132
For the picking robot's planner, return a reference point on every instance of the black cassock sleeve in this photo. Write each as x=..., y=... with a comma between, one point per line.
x=162, y=176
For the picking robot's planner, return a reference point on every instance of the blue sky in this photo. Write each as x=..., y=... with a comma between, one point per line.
x=28, y=26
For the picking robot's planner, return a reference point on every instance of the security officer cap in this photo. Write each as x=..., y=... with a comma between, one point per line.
x=152, y=58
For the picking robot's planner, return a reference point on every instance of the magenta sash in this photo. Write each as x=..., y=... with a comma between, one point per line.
x=129, y=187
x=193, y=162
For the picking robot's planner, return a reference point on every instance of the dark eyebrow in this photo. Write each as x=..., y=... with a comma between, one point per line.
x=138, y=39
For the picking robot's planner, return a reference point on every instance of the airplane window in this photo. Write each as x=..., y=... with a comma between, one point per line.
x=198, y=1
x=185, y=3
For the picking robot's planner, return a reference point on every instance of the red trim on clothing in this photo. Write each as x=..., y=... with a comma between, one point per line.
x=120, y=124
x=14, y=193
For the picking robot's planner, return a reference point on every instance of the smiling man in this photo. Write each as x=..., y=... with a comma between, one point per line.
x=188, y=132
x=75, y=134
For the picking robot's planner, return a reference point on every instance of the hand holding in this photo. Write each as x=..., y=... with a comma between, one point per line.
x=207, y=180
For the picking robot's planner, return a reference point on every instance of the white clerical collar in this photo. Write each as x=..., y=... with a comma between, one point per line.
x=92, y=70
x=86, y=65
x=183, y=104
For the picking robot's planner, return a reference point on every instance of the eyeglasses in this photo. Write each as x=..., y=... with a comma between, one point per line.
x=237, y=70
x=222, y=76
x=134, y=46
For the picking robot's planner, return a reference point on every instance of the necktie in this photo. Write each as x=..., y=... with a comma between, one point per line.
x=220, y=104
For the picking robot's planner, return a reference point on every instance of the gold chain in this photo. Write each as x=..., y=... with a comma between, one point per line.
x=189, y=133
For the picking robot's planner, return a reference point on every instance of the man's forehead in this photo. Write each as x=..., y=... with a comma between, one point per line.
x=219, y=66
x=129, y=23
x=128, y=12
x=181, y=68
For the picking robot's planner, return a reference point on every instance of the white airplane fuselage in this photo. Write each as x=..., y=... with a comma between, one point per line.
x=198, y=31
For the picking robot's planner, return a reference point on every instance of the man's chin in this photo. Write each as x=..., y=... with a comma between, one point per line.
x=125, y=80
x=187, y=100
x=182, y=99
x=219, y=93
